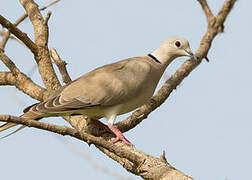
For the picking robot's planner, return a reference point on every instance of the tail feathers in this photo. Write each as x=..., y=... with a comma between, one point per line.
x=7, y=126
x=20, y=128
x=27, y=115
x=29, y=107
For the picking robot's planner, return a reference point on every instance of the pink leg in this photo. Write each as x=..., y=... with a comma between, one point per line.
x=119, y=135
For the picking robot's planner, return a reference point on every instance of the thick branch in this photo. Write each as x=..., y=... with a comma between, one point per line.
x=41, y=39
x=7, y=79
x=40, y=30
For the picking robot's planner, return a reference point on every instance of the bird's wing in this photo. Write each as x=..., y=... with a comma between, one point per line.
x=106, y=86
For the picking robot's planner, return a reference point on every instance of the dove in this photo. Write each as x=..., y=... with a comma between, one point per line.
x=111, y=90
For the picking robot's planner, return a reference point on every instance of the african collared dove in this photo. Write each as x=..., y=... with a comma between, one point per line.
x=113, y=89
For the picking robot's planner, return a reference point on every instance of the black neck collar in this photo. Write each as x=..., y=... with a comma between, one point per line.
x=154, y=58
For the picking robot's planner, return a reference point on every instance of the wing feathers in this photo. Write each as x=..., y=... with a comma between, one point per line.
x=58, y=104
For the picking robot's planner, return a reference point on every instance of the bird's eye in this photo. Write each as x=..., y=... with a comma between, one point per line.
x=177, y=43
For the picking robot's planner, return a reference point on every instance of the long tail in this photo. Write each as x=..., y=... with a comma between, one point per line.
x=10, y=125
x=7, y=126
x=27, y=114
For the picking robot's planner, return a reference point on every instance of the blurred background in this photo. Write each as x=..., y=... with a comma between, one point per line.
x=205, y=124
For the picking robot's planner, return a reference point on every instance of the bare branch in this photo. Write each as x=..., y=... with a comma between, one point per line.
x=64, y=130
x=19, y=20
x=9, y=63
x=49, y=4
x=226, y=8
x=40, y=29
x=61, y=66
x=41, y=39
x=207, y=10
x=19, y=34
x=7, y=78
x=141, y=162
x=47, y=18
x=3, y=34
x=22, y=82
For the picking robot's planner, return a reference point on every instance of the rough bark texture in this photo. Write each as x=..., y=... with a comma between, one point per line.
x=133, y=160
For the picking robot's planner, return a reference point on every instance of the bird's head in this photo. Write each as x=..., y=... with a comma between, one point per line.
x=172, y=48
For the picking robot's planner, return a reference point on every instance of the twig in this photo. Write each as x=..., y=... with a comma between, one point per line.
x=19, y=34
x=224, y=12
x=61, y=66
x=3, y=34
x=49, y=4
x=48, y=15
x=19, y=20
x=9, y=63
x=207, y=10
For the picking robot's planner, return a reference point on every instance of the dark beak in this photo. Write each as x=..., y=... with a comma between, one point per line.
x=190, y=54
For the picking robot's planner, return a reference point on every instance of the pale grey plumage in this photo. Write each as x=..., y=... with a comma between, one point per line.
x=113, y=89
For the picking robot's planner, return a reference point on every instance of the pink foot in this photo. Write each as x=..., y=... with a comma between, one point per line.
x=119, y=135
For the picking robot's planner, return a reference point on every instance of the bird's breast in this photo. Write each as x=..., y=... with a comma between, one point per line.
x=136, y=101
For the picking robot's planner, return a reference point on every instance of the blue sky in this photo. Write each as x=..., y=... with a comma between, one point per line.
x=204, y=126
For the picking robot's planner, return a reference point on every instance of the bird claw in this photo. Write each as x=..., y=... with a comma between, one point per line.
x=119, y=135
x=126, y=141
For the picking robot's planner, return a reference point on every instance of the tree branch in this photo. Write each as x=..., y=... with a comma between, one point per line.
x=19, y=20
x=207, y=10
x=41, y=39
x=22, y=82
x=19, y=34
x=64, y=130
x=141, y=164
x=4, y=34
x=225, y=10
x=7, y=79
x=61, y=66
